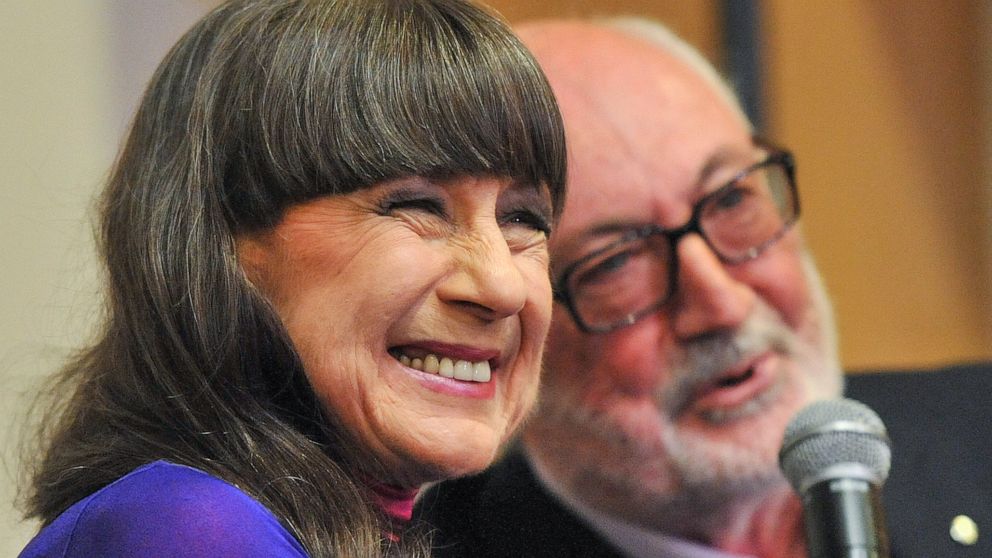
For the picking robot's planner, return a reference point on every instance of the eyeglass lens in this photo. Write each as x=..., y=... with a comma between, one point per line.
x=635, y=273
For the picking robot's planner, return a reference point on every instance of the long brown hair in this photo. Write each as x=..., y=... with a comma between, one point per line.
x=261, y=105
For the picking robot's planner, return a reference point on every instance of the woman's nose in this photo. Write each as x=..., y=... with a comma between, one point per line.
x=708, y=298
x=487, y=281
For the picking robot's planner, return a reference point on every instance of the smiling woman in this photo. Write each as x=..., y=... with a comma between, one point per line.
x=374, y=284
x=326, y=251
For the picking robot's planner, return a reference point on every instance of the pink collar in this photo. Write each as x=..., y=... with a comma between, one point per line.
x=396, y=503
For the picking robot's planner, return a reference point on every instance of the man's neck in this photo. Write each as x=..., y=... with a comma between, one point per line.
x=769, y=526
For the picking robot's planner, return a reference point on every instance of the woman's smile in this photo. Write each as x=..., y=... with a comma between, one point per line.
x=462, y=363
x=441, y=301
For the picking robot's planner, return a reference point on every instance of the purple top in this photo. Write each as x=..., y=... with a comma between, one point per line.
x=164, y=509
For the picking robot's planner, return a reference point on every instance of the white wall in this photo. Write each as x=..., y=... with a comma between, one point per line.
x=70, y=72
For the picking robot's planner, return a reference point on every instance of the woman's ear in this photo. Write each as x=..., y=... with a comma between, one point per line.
x=254, y=256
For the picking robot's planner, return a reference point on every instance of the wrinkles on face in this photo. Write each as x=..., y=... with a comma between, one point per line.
x=625, y=424
x=458, y=267
x=646, y=449
x=677, y=379
x=300, y=242
x=704, y=359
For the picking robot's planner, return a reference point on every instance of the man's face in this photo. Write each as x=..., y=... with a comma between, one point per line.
x=687, y=406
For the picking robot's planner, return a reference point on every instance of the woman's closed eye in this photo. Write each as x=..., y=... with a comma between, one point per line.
x=413, y=202
x=425, y=213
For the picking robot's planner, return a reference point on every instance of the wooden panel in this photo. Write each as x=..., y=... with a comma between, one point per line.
x=882, y=102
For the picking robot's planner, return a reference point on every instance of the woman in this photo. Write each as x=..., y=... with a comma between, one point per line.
x=328, y=284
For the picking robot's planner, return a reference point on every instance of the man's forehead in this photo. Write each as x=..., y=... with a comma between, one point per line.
x=603, y=72
x=592, y=61
x=645, y=132
x=604, y=202
x=625, y=98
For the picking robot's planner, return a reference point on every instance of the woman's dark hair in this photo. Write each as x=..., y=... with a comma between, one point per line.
x=262, y=105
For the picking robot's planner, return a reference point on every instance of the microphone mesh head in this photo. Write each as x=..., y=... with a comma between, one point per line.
x=830, y=433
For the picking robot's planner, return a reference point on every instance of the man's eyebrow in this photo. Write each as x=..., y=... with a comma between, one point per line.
x=719, y=159
x=611, y=227
x=597, y=231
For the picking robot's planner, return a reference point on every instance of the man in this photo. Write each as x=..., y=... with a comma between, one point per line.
x=691, y=326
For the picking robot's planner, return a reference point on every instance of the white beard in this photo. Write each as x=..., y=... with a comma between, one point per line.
x=634, y=461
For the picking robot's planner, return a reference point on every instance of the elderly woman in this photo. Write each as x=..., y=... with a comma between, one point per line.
x=326, y=246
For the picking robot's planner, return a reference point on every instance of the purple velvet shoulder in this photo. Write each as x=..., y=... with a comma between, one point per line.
x=163, y=509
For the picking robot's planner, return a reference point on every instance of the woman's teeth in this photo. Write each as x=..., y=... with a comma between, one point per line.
x=444, y=366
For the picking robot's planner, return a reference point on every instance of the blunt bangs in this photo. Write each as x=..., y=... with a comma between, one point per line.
x=379, y=90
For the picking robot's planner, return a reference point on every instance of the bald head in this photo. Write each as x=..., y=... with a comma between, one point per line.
x=560, y=44
x=640, y=105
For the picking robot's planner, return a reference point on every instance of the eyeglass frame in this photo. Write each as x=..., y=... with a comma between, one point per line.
x=776, y=156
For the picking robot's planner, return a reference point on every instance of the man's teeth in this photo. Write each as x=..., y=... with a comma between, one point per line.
x=444, y=366
x=732, y=381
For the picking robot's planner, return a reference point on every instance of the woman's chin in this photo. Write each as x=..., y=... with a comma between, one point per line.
x=470, y=466
x=444, y=463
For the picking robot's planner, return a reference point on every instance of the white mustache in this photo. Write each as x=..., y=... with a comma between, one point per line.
x=705, y=359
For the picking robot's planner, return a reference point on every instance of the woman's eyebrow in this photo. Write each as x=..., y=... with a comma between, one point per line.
x=538, y=191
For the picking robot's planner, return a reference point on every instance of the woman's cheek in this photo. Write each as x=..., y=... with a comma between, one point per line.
x=534, y=320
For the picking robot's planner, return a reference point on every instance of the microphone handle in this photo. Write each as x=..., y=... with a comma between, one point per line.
x=844, y=519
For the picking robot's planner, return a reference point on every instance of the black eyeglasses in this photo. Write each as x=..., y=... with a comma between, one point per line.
x=635, y=274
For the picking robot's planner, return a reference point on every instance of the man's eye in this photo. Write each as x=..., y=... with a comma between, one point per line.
x=731, y=198
x=605, y=268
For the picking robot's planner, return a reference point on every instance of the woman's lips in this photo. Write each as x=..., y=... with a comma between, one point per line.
x=450, y=368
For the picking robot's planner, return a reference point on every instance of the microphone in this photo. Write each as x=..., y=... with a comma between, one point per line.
x=836, y=455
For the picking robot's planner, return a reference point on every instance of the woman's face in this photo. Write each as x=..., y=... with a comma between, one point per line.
x=419, y=309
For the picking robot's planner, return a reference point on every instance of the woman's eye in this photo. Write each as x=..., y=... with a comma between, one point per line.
x=529, y=219
x=421, y=204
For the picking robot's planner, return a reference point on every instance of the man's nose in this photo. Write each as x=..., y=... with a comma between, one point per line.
x=487, y=281
x=708, y=298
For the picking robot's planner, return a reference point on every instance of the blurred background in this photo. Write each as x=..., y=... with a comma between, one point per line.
x=887, y=105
